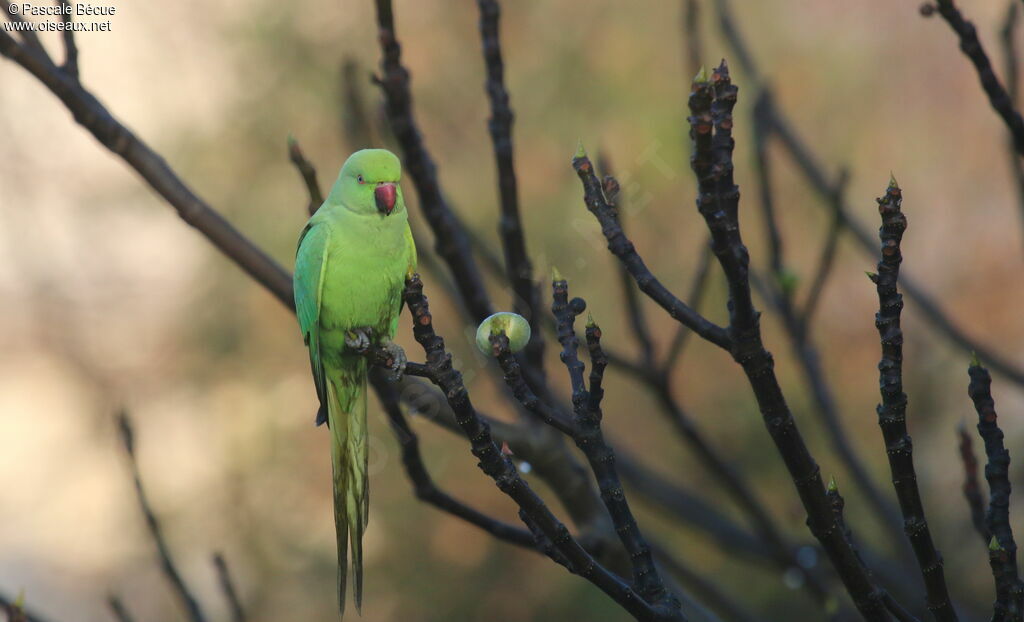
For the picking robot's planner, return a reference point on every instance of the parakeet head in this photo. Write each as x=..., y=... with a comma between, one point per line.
x=368, y=184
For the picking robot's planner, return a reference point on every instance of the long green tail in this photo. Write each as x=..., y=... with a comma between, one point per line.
x=346, y=414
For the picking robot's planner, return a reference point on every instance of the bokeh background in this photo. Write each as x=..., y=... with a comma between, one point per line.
x=109, y=300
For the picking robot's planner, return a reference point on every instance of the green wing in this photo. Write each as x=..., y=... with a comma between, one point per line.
x=308, y=283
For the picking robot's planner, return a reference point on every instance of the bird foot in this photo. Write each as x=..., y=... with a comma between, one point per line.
x=396, y=361
x=359, y=339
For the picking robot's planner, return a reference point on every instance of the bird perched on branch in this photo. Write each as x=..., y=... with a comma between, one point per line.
x=350, y=268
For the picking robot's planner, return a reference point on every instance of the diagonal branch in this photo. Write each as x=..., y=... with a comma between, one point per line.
x=623, y=248
x=227, y=586
x=113, y=135
x=971, y=46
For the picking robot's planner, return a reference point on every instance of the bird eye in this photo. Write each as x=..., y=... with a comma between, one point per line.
x=359, y=178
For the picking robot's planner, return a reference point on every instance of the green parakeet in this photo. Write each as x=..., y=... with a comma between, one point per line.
x=350, y=269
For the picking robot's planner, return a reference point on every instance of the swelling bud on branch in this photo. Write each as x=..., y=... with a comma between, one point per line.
x=514, y=326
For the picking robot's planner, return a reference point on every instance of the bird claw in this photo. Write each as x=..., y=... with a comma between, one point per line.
x=396, y=361
x=358, y=339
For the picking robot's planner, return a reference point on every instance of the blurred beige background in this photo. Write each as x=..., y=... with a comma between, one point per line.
x=109, y=299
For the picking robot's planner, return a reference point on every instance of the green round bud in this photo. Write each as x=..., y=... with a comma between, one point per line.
x=515, y=327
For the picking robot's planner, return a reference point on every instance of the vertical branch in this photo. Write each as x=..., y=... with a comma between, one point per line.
x=971, y=487
x=451, y=242
x=1012, y=69
x=518, y=270
x=892, y=412
x=1002, y=548
x=170, y=570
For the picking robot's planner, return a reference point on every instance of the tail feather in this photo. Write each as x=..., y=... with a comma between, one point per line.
x=349, y=459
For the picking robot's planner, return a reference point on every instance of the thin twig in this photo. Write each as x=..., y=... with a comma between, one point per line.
x=634, y=310
x=450, y=239
x=892, y=411
x=118, y=609
x=971, y=486
x=227, y=587
x=308, y=173
x=826, y=261
x=971, y=46
x=170, y=570
x=1009, y=588
x=696, y=295
x=1011, y=69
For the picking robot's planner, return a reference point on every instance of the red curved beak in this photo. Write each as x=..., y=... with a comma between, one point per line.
x=385, y=195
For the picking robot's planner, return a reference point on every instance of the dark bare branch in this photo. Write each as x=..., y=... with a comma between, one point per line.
x=451, y=241
x=518, y=270
x=188, y=601
x=92, y=115
x=308, y=173
x=1002, y=548
x=892, y=412
x=971, y=46
x=971, y=486
x=227, y=587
